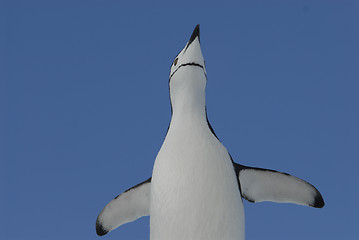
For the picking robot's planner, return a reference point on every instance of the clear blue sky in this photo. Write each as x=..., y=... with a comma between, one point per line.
x=85, y=107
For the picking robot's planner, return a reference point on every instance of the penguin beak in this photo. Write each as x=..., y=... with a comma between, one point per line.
x=194, y=35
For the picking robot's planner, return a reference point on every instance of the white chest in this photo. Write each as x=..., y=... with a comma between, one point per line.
x=194, y=193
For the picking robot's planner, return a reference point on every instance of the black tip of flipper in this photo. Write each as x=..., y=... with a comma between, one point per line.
x=318, y=201
x=99, y=229
x=194, y=35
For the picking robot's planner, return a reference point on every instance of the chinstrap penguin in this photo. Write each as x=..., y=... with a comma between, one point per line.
x=196, y=189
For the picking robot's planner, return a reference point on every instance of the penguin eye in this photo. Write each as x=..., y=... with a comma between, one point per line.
x=175, y=61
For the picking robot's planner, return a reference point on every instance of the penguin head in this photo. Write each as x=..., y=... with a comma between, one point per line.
x=190, y=56
x=188, y=77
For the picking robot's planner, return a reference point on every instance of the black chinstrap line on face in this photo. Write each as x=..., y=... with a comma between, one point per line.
x=188, y=64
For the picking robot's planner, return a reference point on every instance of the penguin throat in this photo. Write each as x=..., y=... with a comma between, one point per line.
x=189, y=64
x=188, y=105
x=187, y=93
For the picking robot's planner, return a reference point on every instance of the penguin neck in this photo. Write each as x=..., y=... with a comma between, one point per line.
x=188, y=99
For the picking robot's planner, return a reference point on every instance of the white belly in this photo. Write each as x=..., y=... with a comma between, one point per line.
x=194, y=192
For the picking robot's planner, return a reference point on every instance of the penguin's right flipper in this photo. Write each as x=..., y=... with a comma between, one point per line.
x=126, y=207
x=258, y=185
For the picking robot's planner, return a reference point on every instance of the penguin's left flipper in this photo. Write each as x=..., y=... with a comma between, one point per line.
x=126, y=207
x=258, y=185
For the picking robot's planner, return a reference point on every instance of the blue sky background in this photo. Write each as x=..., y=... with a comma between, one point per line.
x=84, y=107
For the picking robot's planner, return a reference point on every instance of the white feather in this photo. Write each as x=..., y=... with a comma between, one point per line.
x=194, y=192
x=260, y=185
x=126, y=207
